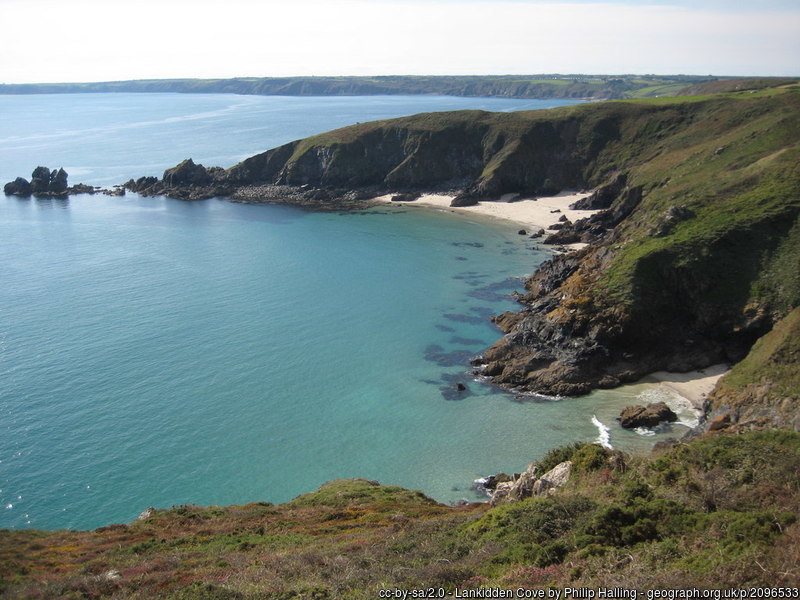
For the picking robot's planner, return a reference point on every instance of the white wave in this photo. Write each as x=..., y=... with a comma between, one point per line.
x=645, y=431
x=604, y=438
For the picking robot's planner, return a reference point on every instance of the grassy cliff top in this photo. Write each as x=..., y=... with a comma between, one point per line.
x=718, y=512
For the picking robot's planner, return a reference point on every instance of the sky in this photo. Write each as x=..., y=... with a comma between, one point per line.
x=108, y=40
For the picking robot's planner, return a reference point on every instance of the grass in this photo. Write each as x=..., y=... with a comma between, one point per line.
x=716, y=512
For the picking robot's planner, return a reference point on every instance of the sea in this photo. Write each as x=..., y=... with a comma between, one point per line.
x=157, y=352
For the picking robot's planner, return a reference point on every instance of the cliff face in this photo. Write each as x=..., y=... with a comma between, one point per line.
x=762, y=391
x=483, y=154
x=705, y=262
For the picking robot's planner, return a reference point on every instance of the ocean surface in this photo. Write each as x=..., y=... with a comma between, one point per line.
x=155, y=352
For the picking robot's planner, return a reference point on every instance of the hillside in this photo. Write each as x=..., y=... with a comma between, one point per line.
x=718, y=513
x=512, y=86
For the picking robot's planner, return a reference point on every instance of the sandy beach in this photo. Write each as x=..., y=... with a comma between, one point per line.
x=533, y=214
x=694, y=385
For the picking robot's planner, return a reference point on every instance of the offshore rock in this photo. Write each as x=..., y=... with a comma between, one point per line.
x=44, y=182
x=19, y=187
x=646, y=416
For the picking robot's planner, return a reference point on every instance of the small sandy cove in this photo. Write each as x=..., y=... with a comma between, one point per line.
x=533, y=214
x=541, y=213
x=694, y=385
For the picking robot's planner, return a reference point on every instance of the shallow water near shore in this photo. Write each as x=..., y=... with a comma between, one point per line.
x=156, y=352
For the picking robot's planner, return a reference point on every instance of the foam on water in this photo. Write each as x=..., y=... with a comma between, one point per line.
x=604, y=437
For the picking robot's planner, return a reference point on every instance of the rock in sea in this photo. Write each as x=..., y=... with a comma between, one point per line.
x=646, y=416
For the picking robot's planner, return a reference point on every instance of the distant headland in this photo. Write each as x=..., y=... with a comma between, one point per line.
x=589, y=87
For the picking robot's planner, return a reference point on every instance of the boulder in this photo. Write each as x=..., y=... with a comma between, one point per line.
x=646, y=416
x=19, y=187
x=720, y=422
x=407, y=197
x=528, y=485
x=500, y=493
x=555, y=478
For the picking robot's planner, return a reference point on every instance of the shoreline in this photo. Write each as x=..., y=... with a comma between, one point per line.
x=694, y=386
x=532, y=213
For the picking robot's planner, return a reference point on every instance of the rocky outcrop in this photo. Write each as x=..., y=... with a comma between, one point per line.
x=763, y=390
x=46, y=183
x=651, y=415
x=527, y=484
x=678, y=276
x=477, y=155
x=19, y=187
x=185, y=181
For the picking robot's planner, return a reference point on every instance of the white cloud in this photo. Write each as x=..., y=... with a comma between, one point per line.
x=91, y=40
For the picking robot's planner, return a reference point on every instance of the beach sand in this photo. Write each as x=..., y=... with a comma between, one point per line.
x=532, y=214
x=694, y=385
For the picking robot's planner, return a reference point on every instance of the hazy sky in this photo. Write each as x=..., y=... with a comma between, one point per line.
x=100, y=40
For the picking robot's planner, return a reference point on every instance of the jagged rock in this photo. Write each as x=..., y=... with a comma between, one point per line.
x=537, y=234
x=19, y=187
x=43, y=183
x=491, y=482
x=646, y=416
x=500, y=493
x=186, y=173
x=82, y=188
x=40, y=180
x=527, y=484
x=58, y=182
x=562, y=236
x=523, y=487
x=603, y=196
x=555, y=478
x=522, y=232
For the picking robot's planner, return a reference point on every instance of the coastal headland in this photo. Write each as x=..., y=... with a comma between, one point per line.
x=688, y=251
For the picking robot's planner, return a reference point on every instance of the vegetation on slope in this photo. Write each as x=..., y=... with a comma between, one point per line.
x=703, y=264
x=717, y=512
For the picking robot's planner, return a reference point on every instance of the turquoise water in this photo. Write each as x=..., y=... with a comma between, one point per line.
x=156, y=352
